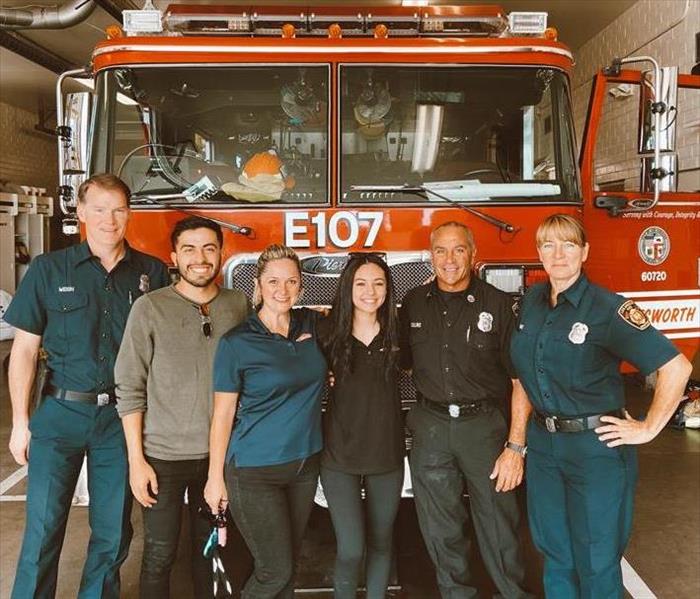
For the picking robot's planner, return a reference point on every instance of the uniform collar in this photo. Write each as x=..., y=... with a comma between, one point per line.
x=434, y=290
x=259, y=326
x=376, y=343
x=572, y=295
x=82, y=253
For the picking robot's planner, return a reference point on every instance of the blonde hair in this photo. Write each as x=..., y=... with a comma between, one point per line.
x=561, y=226
x=453, y=223
x=271, y=253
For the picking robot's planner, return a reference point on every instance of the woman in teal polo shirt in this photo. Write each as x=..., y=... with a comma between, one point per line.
x=269, y=373
x=581, y=467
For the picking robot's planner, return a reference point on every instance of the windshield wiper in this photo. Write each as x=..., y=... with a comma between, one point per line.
x=406, y=188
x=202, y=190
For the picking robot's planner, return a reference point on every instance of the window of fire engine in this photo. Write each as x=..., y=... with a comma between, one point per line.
x=208, y=135
x=467, y=134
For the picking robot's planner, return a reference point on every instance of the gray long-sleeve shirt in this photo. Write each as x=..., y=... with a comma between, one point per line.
x=164, y=369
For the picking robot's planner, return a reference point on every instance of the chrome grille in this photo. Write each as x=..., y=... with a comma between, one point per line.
x=408, y=270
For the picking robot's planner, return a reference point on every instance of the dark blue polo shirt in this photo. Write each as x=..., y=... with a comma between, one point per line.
x=80, y=310
x=568, y=357
x=280, y=381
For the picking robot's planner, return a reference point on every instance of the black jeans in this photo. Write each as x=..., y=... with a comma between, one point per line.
x=161, y=528
x=344, y=494
x=271, y=507
x=447, y=454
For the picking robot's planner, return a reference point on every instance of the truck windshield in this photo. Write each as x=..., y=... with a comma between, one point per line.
x=215, y=134
x=478, y=134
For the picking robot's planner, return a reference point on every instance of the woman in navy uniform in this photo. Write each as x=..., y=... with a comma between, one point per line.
x=581, y=467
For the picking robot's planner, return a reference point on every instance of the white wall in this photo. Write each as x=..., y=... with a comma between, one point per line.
x=641, y=30
x=27, y=157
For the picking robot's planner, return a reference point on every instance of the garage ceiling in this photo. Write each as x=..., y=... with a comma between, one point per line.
x=24, y=83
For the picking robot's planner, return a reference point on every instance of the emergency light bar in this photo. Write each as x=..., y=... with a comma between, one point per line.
x=430, y=21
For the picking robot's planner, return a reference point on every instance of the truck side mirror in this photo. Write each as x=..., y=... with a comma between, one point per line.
x=74, y=134
x=665, y=137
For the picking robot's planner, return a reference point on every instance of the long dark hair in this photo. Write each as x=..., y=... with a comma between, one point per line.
x=336, y=335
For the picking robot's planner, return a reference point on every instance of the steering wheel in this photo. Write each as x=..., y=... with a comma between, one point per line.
x=488, y=170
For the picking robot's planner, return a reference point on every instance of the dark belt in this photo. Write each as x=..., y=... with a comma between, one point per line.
x=453, y=410
x=101, y=399
x=566, y=424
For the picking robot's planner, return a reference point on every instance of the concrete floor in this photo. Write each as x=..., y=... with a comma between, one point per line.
x=664, y=551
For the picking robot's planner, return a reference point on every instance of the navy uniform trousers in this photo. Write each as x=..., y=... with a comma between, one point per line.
x=62, y=432
x=446, y=453
x=580, y=505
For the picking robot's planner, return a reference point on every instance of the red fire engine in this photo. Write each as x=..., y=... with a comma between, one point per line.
x=343, y=129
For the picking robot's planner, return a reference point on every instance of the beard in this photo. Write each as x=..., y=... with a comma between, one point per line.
x=199, y=280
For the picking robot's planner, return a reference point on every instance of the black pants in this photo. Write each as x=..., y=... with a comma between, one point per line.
x=446, y=453
x=271, y=507
x=161, y=528
x=344, y=494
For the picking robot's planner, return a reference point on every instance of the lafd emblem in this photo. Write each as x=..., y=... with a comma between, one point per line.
x=654, y=245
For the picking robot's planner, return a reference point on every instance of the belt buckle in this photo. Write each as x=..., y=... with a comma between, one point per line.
x=453, y=409
x=102, y=399
x=551, y=423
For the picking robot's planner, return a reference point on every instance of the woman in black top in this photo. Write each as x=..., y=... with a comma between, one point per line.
x=363, y=433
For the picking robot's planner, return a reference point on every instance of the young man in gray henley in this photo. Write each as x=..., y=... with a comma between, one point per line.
x=164, y=397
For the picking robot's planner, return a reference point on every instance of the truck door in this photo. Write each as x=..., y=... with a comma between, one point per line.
x=645, y=250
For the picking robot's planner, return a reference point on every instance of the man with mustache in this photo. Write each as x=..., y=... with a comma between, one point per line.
x=164, y=397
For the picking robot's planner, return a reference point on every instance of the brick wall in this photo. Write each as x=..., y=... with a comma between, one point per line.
x=27, y=157
x=641, y=30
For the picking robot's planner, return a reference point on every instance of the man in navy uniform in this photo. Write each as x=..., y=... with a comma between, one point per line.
x=74, y=302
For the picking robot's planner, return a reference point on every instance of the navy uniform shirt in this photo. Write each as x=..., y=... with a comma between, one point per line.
x=458, y=343
x=80, y=310
x=568, y=357
x=279, y=381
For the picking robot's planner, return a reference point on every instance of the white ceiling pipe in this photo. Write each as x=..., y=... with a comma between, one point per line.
x=47, y=17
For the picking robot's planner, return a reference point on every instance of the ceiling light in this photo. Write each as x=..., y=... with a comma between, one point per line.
x=414, y=3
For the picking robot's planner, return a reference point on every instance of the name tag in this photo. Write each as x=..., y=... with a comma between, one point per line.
x=66, y=289
x=416, y=325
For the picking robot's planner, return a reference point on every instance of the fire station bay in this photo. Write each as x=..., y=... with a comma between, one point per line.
x=381, y=299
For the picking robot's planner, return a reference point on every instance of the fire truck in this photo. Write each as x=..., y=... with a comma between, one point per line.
x=334, y=130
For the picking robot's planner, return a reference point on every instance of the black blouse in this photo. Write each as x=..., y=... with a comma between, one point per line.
x=363, y=425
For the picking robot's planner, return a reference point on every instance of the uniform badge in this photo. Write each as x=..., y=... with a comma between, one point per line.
x=485, y=323
x=144, y=283
x=633, y=315
x=471, y=299
x=578, y=332
x=416, y=325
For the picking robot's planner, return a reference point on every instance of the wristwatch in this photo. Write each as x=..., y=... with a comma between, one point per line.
x=521, y=449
